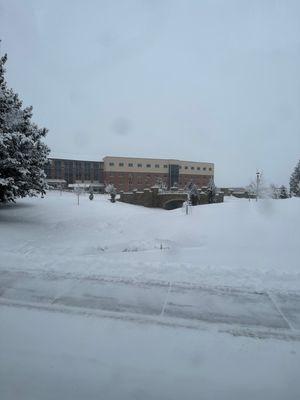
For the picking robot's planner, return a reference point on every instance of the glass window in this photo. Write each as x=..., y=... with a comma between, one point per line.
x=198, y=168
x=148, y=165
x=156, y=165
x=210, y=168
x=140, y=165
x=121, y=164
x=192, y=168
x=111, y=164
x=204, y=168
x=186, y=167
x=165, y=166
x=130, y=165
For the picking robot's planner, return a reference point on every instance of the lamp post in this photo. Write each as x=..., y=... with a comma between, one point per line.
x=257, y=183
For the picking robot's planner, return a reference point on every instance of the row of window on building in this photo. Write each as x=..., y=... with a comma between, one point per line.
x=70, y=170
x=139, y=179
x=121, y=164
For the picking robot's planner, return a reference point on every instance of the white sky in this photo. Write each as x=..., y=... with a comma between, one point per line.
x=211, y=80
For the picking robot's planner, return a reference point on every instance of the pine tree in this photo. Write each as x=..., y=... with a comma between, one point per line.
x=211, y=190
x=295, y=181
x=23, y=155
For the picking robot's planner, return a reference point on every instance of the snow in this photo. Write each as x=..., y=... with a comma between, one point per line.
x=111, y=301
x=237, y=243
x=61, y=356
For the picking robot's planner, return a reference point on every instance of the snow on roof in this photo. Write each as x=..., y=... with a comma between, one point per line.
x=56, y=181
x=85, y=185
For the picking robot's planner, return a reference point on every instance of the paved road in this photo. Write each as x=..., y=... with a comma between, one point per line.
x=163, y=302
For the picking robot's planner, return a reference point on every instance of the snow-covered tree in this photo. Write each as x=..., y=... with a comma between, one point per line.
x=211, y=190
x=261, y=189
x=111, y=190
x=283, y=193
x=23, y=155
x=295, y=181
x=275, y=191
x=192, y=193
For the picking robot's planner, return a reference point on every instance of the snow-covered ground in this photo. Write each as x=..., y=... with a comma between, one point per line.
x=237, y=243
x=110, y=301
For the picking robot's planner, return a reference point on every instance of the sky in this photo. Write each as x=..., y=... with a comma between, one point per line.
x=203, y=80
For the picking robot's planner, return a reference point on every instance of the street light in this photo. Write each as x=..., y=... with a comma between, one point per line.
x=257, y=183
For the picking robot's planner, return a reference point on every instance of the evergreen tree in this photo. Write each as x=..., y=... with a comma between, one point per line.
x=283, y=193
x=211, y=190
x=295, y=181
x=193, y=193
x=23, y=155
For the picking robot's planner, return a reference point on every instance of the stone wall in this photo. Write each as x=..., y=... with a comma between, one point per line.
x=167, y=200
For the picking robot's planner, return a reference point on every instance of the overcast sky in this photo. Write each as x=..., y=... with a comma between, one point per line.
x=201, y=80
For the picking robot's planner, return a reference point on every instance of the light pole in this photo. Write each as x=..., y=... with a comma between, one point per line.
x=257, y=183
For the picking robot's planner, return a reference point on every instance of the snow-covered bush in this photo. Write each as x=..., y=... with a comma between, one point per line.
x=22, y=153
x=110, y=189
x=283, y=192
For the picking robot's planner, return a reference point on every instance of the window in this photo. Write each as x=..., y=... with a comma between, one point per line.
x=165, y=166
x=148, y=165
x=198, y=168
x=121, y=164
x=186, y=167
x=179, y=166
x=130, y=164
x=210, y=168
x=156, y=165
x=140, y=165
x=111, y=164
x=78, y=170
x=204, y=168
x=87, y=171
x=192, y=168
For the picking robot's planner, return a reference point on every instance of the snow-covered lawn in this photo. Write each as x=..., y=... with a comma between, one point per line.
x=86, y=310
x=237, y=243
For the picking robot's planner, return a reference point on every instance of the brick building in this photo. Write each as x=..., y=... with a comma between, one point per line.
x=138, y=173
x=127, y=173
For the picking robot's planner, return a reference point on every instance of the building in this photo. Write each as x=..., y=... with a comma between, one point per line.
x=127, y=173
x=74, y=171
x=138, y=173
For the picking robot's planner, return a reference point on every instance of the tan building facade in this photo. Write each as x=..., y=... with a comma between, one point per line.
x=127, y=173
